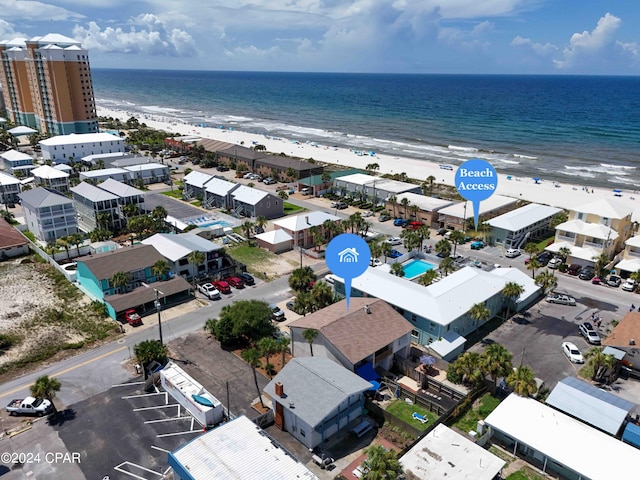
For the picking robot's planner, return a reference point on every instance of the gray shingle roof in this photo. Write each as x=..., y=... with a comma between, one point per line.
x=126, y=259
x=92, y=193
x=41, y=197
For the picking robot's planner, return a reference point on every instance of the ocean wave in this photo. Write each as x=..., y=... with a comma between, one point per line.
x=616, y=167
x=525, y=157
x=462, y=149
x=624, y=180
x=598, y=169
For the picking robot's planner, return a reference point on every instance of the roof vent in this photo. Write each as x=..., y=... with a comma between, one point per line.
x=632, y=341
x=307, y=219
x=367, y=309
x=292, y=405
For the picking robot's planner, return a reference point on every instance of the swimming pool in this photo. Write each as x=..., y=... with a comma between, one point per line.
x=213, y=223
x=415, y=268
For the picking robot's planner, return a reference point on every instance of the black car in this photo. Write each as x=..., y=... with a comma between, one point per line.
x=574, y=269
x=587, y=273
x=247, y=279
x=544, y=258
x=222, y=168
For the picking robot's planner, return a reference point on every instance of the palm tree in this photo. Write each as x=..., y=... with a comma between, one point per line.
x=119, y=281
x=479, y=312
x=160, y=269
x=148, y=351
x=467, y=366
x=130, y=210
x=103, y=219
x=252, y=357
x=76, y=239
x=376, y=249
x=267, y=346
x=65, y=243
x=496, y=362
x=261, y=221
x=196, y=258
x=531, y=249
x=532, y=265
x=393, y=200
x=447, y=265
x=301, y=279
x=310, y=335
x=46, y=387
x=601, y=262
x=430, y=180
x=547, y=280
x=283, y=195
x=636, y=277
x=396, y=269
x=322, y=295
x=411, y=239
x=564, y=252
x=427, y=277
x=99, y=235
x=522, y=381
x=316, y=236
x=247, y=226
x=381, y=464
x=405, y=206
x=424, y=233
x=414, y=209
x=303, y=303
x=372, y=167
x=386, y=250
x=159, y=213
x=456, y=237
x=283, y=348
x=331, y=229
x=511, y=292
x=599, y=362
x=443, y=247
x=52, y=248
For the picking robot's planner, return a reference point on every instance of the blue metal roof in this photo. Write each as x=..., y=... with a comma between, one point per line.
x=631, y=435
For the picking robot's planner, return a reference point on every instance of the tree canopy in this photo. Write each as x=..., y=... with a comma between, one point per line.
x=244, y=321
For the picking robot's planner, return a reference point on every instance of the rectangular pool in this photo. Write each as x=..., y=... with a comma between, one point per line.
x=213, y=223
x=415, y=268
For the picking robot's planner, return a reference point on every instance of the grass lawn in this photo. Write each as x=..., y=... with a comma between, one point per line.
x=290, y=208
x=545, y=243
x=175, y=194
x=196, y=203
x=403, y=411
x=470, y=419
x=525, y=473
x=250, y=255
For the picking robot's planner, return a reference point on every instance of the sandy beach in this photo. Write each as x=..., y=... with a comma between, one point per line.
x=545, y=192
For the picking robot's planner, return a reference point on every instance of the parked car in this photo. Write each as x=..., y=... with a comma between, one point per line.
x=247, y=176
x=512, y=253
x=222, y=168
x=290, y=304
x=269, y=181
x=276, y=313
x=477, y=245
x=247, y=279
x=235, y=282
x=375, y=262
x=574, y=269
x=209, y=291
x=29, y=406
x=554, y=263
x=306, y=191
x=132, y=318
x=399, y=222
x=222, y=286
x=368, y=213
x=589, y=333
x=412, y=225
x=572, y=352
x=442, y=231
x=394, y=241
x=629, y=285
x=587, y=273
x=614, y=281
x=394, y=254
x=341, y=205
x=384, y=217
x=544, y=258
x=561, y=299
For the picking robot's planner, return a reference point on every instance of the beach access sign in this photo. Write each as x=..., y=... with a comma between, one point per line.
x=476, y=180
x=347, y=256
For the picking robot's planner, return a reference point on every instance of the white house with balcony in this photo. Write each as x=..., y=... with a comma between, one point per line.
x=630, y=262
x=17, y=163
x=517, y=227
x=97, y=176
x=48, y=214
x=96, y=208
x=370, y=186
x=50, y=177
x=9, y=188
x=148, y=173
x=598, y=227
x=62, y=148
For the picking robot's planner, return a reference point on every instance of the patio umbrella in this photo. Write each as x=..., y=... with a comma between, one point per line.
x=537, y=180
x=375, y=386
x=427, y=360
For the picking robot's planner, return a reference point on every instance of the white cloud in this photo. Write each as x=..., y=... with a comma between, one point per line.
x=30, y=10
x=538, y=48
x=153, y=38
x=631, y=48
x=7, y=31
x=587, y=45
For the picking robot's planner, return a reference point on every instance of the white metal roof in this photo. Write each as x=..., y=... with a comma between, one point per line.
x=79, y=138
x=45, y=171
x=590, y=404
x=444, y=454
x=6, y=179
x=15, y=155
x=494, y=202
x=595, y=230
x=121, y=189
x=146, y=166
x=175, y=247
x=564, y=439
x=605, y=208
x=629, y=264
x=297, y=223
x=104, y=172
x=633, y=241
x=523, y=217
x=197, y=179
x=518, y=276
x=427, y=204
x=359, y=179
x=63, y=167
x=274, y=237
x=94, y=194
x=248, y=195
x=238, y=449
x=55, y=38
x=220, y=187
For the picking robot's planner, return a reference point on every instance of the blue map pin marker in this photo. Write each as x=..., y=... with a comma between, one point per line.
x=348, y=257
x=476, y=180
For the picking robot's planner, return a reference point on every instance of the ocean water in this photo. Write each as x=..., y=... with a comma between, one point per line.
x=576, y=129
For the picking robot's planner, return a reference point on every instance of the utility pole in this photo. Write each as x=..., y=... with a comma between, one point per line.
x=157, y=303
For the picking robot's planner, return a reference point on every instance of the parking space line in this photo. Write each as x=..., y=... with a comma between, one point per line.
x=142, y=409
x=142, y=395
x=162, y=435
x=127, y=384
x=166, y=420
x=118, y=469
x=160, y=449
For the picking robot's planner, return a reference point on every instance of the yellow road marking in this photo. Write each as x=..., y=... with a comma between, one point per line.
x=100, y=357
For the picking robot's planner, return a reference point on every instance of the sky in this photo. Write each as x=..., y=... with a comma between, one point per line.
x=373, y=36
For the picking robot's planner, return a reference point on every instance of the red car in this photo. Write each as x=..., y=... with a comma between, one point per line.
x=413, y=225
x=132, y=318
x=235, y=282
x=222, y=286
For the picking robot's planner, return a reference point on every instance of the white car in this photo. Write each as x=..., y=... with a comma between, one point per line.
x=394, y=241
x=375, y=262
x=572, y=352
x=554, y=263
x=368, y=213
x=512, y=253
x=209, y=291
x=629, y=285
x=561, y=299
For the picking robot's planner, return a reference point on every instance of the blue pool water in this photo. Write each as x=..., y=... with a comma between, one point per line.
x=415, y=268
x=214, y=223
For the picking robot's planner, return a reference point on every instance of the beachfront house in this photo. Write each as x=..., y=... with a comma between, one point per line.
x=601, y=226
x=17, y=163
x=314, y=398
x=286, y=169
x=10, y=188
x=456, y=216
x=148, y=173
x=368, y=187
x=64, y=148
x=300, y=227
x=100, y=175
x=251, y=202
x=177, y=248
x=52, y=178
x=341, y=335
x=439, y=313
x=239, y=157
x=516, y=228
x=217, y=193
x=95, y=276
x=426, y=212
x=48, y=214
x=323, y=183
x=194, y=185
x=630, y=261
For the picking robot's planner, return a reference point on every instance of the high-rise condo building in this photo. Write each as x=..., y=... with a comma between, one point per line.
x=46, y=84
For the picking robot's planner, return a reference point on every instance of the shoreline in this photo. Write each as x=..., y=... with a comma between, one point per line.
x=547, y=192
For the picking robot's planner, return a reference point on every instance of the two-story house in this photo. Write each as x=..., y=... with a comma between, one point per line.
x=194, y=184
x=251, y=202
x=10, y=188
x=594, y=228
x=49, y=215
x=127, y=195
x=217, y=193
x=17, y=163
x=516, y=228
x=630, y=262
x=51, y=178
x=299, y=227
x=149, y=173
x=97, y=208
x=64, y=148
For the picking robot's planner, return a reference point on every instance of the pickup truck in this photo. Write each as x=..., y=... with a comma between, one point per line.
x=209, y=291
x=132, y=318
x=29, y=406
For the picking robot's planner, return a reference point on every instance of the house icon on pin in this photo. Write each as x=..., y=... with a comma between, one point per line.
x=348, y=255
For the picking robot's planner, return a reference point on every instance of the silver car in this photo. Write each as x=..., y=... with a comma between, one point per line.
x=561, y=299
